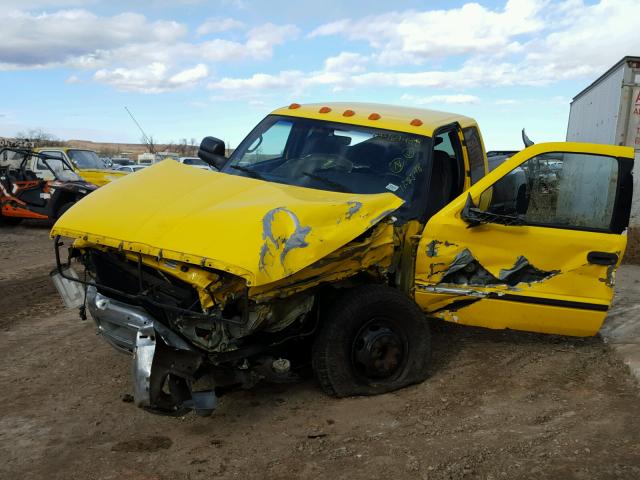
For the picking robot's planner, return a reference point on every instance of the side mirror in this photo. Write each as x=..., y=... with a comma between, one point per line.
x=212, y=151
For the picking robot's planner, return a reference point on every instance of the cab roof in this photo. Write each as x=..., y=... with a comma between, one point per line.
x=419, y=121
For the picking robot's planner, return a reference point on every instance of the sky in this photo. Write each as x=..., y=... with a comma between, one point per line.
x=192, y=68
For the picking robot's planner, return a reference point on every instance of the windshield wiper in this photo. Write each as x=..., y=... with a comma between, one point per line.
x=329, y=183
x=252, y=173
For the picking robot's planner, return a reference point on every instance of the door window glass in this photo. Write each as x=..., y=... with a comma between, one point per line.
x=447, y=171
x=475, y=152
x=269, y=145
x=575, y=190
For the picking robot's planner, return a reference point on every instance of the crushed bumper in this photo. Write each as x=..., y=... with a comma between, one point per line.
x=164, y=365
x=117, y=322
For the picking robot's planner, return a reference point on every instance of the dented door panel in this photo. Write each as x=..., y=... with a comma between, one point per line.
x=533, y=278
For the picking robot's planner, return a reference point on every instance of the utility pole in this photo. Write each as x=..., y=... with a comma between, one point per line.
x=147, y=140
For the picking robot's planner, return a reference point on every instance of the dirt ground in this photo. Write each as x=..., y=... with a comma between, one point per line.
x=498, y=405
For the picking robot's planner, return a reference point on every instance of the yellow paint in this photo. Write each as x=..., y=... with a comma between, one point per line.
x=391, y=117
x=501, y=314
x=97, y=177
x=497, y=247
x=177, y=212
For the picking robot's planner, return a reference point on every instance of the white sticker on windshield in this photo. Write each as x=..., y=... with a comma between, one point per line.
x=391, y=187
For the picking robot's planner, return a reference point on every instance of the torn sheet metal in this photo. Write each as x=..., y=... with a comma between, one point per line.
x=523, y=272
x=372, y=253
x=465, y=269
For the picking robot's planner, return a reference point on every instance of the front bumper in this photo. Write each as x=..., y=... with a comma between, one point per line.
x=117, y=322
x=164, y=365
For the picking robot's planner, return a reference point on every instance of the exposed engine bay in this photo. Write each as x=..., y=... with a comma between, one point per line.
x=191, y=325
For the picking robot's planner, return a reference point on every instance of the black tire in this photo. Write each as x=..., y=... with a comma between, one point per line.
x=9, y=221
x=64, y=208
x=373, y=339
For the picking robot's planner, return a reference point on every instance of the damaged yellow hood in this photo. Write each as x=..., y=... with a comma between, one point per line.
x=258, y=230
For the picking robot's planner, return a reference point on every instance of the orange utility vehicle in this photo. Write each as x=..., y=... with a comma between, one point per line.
x=25, y=196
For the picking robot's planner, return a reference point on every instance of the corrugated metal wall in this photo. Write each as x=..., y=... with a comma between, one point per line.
x=594, y=116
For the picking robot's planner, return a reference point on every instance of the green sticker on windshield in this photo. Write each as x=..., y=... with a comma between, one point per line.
x=396, y=165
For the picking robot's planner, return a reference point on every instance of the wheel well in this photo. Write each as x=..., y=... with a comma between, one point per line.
x=61, y=199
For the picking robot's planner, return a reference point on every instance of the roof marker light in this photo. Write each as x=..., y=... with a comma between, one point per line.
x=416, y=122
x=324, y=110
x=348, y=113
x=293, y=106
x=374, y=116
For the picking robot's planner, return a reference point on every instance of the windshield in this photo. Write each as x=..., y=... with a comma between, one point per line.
x=58, y=166
x=86, y=159
x=332, y=156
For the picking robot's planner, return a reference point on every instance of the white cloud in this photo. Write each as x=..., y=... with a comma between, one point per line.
x=594, y=38
x=190, y=75
x=49, y=39
x=128, y=50
x=346, y=62
x=518, y=45
x=520, y=42
x=72, y=79
x=262, y=39
x=217, y=25
x=333, y=28
x=459, y=98
x=415, y=36
x=469, y=75
x=259, y=81
x=154, y=78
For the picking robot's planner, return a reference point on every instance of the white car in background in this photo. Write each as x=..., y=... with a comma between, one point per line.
x=195, y=162
x=130, y=168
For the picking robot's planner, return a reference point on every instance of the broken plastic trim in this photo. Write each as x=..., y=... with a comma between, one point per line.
x=163, y=374
x=475, y=216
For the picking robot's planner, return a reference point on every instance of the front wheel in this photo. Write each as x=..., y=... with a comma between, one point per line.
x=373, y=339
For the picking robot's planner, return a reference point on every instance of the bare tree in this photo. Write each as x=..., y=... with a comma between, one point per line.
x=41, y=138
x=149, y=142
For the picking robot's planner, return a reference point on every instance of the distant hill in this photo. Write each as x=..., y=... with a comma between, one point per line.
x=132, y=150
x=113, y=148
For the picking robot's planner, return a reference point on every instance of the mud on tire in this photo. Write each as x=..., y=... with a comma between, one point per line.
x=373, y=339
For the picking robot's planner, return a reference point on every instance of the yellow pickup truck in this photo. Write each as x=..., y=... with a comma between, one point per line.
x=85, y=162
x=332, y=236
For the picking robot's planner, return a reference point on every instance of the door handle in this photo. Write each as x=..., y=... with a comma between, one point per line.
x=602, y=258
